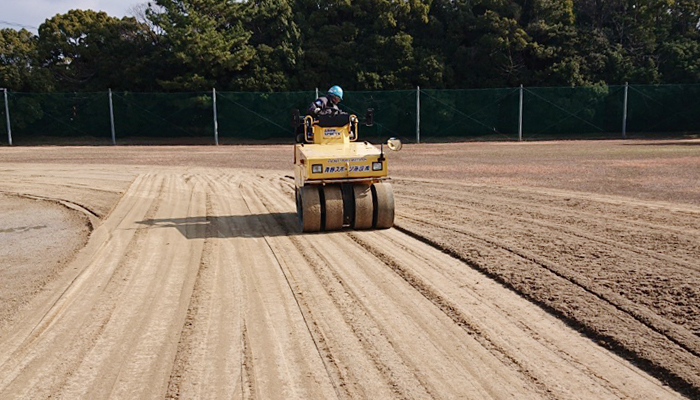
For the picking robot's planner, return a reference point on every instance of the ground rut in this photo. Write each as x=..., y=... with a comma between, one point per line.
x=199, y=285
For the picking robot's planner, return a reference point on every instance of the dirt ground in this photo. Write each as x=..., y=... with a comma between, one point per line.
x=554, y=270
x=25, y=225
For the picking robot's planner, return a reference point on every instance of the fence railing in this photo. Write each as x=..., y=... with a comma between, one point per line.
x=420, y=115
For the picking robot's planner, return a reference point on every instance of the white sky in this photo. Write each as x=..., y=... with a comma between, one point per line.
x=33, y=13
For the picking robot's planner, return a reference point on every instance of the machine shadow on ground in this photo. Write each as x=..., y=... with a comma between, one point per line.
x=231, y=226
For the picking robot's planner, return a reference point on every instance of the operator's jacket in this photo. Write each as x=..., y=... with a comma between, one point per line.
x=323, y=106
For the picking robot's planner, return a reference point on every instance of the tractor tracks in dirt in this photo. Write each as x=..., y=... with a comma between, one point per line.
x=474, y=227
x=198, y=285
x=570, y=229
x=677, y=334
x=96, y=337
x=355, y=327
x=450, y=309
x=244, y=330
x=443, y=303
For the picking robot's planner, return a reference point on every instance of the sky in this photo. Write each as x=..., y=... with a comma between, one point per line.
x=30, y=14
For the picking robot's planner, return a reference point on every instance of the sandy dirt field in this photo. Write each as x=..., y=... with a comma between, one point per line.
x=559, y=270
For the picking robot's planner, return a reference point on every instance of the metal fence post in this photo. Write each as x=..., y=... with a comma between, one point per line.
x=417, y=114
x=111, y=118
x=624, y=112
x=216, y=119
x=7, y=115
x=520, y=116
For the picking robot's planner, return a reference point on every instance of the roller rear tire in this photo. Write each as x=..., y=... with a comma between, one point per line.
x=333, y=199
x=384, y=205
x=364, y=207
x=309, y=208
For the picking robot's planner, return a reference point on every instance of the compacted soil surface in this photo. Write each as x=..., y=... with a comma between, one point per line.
x=564, y=270
x=29, y=260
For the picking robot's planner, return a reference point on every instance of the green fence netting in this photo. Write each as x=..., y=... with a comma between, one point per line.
x=483, y=114
x=445, y=115
x=663, y=109
x=268, y=115
x=570, y=113
x=394, y=113
x=59, y=114
x=259, y=116
x=166, y=115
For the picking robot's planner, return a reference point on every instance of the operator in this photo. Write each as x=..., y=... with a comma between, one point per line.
x=328, y=104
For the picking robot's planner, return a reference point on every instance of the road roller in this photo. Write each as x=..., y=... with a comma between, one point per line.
x=340, y=181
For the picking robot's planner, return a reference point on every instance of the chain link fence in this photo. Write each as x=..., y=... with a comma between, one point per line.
x=664, y=109
x=419, y=115
x=483, y=114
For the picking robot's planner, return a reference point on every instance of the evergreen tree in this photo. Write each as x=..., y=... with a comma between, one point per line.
x=277, y=48
x=329, y=35
x=679, y=53
x=19, y=69
x=204, y=43
x=91, y=51
x=282, y=45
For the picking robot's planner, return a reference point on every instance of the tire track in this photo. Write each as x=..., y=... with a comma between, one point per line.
x=186, y=345
x=99, y=361
x=384, y=373
x=640, y=275
x=207, y=363
x=336, y=282
x=541, y=354
x=296, y=299
x=452, y=311
x=570, y=230
x=132, y=357
x=552, y=204
x=246, y=332
x=675, y=333
x=198, y=285
x=49, y=334
x=675, y=368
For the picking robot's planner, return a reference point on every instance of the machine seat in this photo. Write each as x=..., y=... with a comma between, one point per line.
x=329, y=121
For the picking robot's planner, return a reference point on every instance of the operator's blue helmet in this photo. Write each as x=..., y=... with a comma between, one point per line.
x=336, y=91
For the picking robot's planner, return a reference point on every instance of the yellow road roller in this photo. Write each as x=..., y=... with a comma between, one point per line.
x=340, y=181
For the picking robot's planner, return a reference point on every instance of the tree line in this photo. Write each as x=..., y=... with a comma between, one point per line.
x=289, y=45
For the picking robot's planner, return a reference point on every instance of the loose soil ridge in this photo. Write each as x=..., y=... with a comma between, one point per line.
x=626, y=275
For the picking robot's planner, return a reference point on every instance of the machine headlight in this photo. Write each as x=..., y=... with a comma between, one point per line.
x=316, y=168
x=376, y=166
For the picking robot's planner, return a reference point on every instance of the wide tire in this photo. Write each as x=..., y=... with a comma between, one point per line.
x=384, y=206
x=309, y=209
x=364, y=208
x=333, y=198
